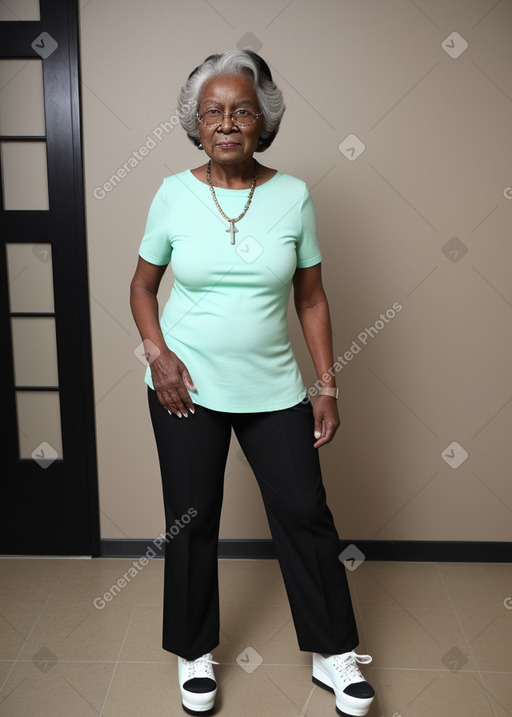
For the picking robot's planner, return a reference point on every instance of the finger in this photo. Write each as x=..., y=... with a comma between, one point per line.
x=322, y=441
x=182, y=401
x=328, y=432
x=319, y=426
x=319, y=432
x=187, y=401
x=167, y=402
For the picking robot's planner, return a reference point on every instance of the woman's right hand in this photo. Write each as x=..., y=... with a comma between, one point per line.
x=171, y=379
x=172, y=383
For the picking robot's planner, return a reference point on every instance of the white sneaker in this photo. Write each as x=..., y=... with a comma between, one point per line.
x=197, y=684
x=340, y=674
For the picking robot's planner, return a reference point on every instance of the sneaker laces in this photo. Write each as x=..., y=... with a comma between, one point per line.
x=202, y=667
x=346, y=665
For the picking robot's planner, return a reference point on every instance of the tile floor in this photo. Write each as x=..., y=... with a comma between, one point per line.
x=440, y=635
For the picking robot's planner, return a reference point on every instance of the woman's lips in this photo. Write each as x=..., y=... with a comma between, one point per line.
x=227, y=145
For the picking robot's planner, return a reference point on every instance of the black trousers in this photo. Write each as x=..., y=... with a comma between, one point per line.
x=279, y=448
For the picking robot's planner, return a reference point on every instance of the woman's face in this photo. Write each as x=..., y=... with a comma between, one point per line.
x=227, y=143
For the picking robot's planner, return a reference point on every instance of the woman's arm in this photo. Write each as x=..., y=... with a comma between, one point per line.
x=313, y=312
x=170, y=376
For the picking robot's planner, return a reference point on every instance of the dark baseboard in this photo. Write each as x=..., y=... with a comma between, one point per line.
x=400, y=550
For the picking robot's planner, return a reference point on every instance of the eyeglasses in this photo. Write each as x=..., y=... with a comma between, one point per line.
x=242, y=118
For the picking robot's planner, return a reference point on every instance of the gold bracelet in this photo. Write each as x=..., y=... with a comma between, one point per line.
x=326, y=391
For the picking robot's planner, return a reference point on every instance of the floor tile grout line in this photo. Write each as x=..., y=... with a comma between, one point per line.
x=117, y=661
x=442, y=670
x=284, y=665
x=361, y=629
x=25, y=643
x=492, y=698
x=468, y=642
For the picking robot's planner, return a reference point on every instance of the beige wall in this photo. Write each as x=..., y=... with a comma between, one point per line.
x=436, y=166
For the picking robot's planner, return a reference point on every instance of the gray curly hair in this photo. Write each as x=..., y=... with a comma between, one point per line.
x=235, y=62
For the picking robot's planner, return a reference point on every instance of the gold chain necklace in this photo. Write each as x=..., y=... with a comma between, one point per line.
x=232, y=229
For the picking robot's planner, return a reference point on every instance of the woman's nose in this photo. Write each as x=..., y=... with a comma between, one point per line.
x=226, y=118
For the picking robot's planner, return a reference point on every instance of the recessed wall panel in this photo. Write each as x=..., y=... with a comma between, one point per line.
x=24, y=175
x=19, y=10
x=30, y=274
x=39, y=428
x=34, y=346
x=21, y=98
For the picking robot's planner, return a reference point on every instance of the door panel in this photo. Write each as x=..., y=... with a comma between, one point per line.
x=49, y=503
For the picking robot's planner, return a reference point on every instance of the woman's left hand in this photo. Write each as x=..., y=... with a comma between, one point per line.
x=327, y=419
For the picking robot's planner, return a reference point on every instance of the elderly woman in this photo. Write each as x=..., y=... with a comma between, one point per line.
x=238, y=235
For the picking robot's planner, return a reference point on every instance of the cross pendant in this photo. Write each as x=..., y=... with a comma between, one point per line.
x=232, y=230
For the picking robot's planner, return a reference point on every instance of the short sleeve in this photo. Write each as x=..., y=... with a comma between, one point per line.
x=155, y=246
x=308, y=250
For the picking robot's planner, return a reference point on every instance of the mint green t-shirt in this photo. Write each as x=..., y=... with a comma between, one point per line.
x=226, y=317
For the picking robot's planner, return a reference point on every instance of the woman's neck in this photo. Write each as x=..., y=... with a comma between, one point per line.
x=233, y=176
